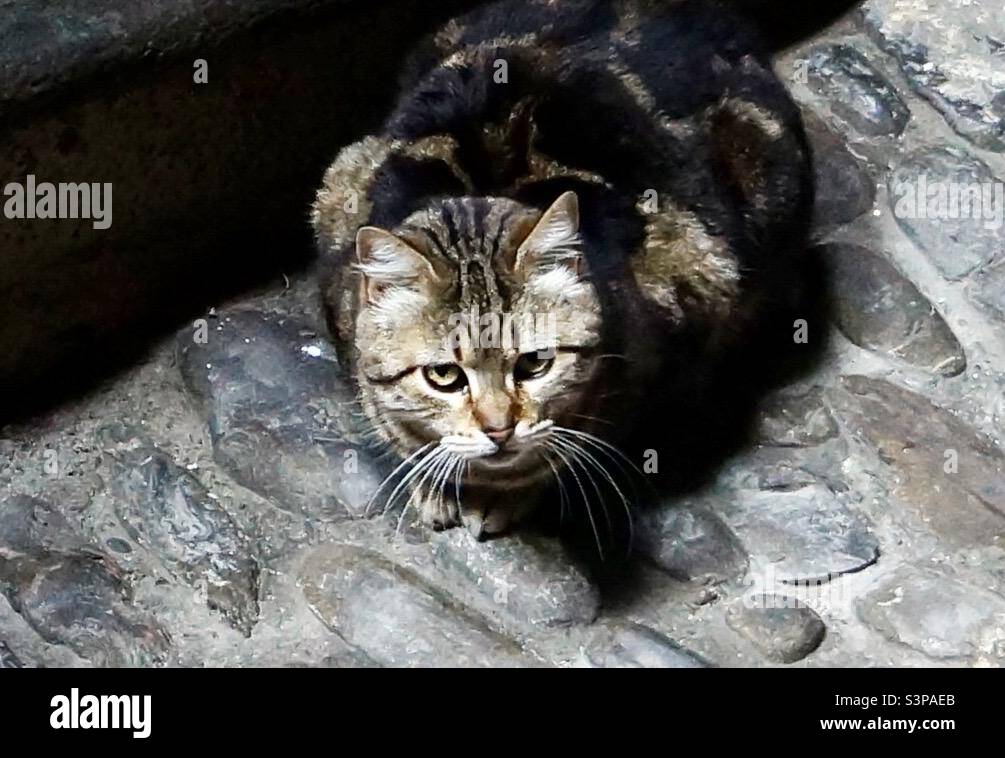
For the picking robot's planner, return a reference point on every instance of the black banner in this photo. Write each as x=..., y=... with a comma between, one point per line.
x=234, y=708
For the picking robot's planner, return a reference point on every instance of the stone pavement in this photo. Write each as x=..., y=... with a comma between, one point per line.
x=206, y=507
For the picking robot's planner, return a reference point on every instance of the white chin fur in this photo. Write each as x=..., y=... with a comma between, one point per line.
x=477, y=445
x=525, y=431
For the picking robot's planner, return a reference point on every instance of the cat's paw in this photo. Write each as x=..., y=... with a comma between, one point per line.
x=484, y=523
x=439, y=513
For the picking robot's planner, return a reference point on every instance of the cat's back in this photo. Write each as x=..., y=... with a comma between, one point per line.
x=686, y=152
x=675, y=100
x=671, y=53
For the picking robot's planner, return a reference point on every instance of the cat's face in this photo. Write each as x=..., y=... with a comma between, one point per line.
x=476, y=329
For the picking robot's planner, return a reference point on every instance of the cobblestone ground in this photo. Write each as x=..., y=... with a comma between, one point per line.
x=204, y=508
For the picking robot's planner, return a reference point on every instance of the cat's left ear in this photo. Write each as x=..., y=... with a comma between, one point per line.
x=387, y=261
x=555, y=240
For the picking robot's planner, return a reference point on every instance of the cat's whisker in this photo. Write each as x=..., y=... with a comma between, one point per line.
x=582, y=490
x=443, y=481
x=458, y=476
x=428, y=493
x=563, y=497
x=437, y=457
x=594, y=418
x=610, y=479
x=458, y=473
x=577, y=454
x=389, y=477
x=615, y=456
x=431, y=457
x=440, y=482
x=597, y=441
x=608, y=451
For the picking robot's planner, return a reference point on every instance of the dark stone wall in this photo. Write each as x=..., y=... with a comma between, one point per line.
x=211, y=182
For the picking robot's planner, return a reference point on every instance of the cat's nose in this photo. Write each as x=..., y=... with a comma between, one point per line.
x=499, y=436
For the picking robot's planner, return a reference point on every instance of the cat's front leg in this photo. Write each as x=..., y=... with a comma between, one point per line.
x=491, y=517
x=484, y=517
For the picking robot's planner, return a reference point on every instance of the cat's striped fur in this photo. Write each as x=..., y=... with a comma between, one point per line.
x=631, y=167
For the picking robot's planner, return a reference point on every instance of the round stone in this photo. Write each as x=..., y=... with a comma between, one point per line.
x=856, y=93
x=783, y=629
x=878, y=309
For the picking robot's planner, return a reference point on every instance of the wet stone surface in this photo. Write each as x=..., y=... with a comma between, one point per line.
x=637, y=646
x=7, y=659
x=167, y=510
x=70, y=592
x=935, y=615
x=796, y=418
x=988, y=290
x=692, y=542
x=930, y=194
x=857, y=94
x=945, y=472
x=397, y=618
x=787, y=469
x=951, y=54
x=280, y=418
x=804, y=534
x=878, y=309
x=531, y=579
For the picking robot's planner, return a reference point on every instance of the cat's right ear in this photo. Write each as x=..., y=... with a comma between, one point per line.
x=387, y=261
x=555, y=240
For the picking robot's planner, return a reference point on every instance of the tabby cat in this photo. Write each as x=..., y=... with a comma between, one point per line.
x=626, y=181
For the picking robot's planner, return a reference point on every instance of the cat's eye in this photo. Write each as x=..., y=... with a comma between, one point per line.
x=531, y=366
x=445, y=377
